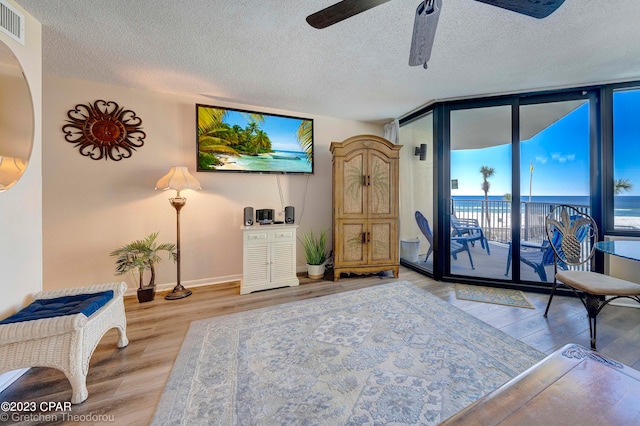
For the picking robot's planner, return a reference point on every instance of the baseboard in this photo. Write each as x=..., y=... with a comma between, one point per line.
x=8, y=378
x=190, y=284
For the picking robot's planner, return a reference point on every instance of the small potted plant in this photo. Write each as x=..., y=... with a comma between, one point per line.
x=139, y=256
x=315, y=251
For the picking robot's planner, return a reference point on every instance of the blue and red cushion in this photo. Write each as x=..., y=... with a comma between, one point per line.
x=85, y=304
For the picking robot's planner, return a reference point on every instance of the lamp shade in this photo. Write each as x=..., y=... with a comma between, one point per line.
x=178, y=178
x=11, y=168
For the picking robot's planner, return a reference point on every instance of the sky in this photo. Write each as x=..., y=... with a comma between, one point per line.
x=281, y=130
x=626, y=137
x=559, y=155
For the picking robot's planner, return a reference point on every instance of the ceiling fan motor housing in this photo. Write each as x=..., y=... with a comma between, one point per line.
x=424, y=31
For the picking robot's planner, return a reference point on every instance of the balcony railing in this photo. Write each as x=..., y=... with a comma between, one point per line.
x=495, y=217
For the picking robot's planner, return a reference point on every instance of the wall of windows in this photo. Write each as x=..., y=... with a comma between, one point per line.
x=529, y=152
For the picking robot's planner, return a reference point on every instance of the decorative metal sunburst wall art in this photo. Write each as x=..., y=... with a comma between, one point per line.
x=104, y=130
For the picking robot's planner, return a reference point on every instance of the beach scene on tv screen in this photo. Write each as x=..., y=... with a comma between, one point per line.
x=242, y=141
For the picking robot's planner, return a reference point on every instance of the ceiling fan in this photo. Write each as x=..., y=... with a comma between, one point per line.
x=426, y=19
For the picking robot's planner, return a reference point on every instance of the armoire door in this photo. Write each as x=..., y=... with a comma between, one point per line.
x=382, y=241
x=350, y=186
x=381, y=172
x=350, y=242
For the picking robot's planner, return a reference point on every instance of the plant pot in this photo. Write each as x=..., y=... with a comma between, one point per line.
x=146, y=294
x=315, y=272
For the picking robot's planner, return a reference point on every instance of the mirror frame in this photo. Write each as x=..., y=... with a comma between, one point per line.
x=17, y=119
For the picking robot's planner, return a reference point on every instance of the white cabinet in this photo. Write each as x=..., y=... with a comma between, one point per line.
x=268, y=258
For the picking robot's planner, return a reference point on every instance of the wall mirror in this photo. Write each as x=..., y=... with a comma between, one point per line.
x=16, y=119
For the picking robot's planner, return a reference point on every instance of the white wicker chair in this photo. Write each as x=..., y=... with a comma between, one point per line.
x=65, y=343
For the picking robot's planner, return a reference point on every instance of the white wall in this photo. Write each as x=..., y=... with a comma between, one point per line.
x=21, y=206
x=92, y=207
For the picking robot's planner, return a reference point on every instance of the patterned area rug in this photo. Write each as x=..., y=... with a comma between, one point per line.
x=499, y=296
x=390, y=354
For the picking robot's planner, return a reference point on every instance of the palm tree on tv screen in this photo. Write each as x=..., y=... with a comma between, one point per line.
x=261, y=141
x=217, y=137
x=305, y=138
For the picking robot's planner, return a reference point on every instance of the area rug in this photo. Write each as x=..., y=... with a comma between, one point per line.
x=499, y=296
x=389, y=354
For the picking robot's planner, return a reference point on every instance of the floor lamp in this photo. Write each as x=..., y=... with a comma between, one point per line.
x=179, y=179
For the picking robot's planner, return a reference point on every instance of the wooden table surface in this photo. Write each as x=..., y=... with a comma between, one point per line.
x=572, y=386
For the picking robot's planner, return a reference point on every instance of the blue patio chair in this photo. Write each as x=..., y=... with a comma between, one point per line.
x=423, y=224
x=470, y=229
x=534, y=255
x=458, y=244
x=538, y=256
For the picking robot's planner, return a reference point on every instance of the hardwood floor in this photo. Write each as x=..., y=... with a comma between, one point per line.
x=126, y=384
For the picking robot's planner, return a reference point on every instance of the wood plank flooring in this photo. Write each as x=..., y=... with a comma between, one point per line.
x=126, y=384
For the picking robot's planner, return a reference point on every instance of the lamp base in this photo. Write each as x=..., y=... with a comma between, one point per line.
x=178, y=292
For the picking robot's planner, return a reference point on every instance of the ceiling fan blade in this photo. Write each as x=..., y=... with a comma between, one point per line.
x=534, y=8
x=341, y=11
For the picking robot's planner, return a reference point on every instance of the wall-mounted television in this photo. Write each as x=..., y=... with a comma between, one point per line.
x=235, y=140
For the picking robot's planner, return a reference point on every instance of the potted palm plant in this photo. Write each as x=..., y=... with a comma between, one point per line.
x=315, y=251
x=139, y=256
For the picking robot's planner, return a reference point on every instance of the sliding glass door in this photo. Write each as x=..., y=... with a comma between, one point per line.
x=480, y=202
x=417, y=200
x=554, y=169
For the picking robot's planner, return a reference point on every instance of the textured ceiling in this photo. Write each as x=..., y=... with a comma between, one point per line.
x=263, y=53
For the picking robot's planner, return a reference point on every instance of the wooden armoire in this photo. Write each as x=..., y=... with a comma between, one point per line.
x=365, y=205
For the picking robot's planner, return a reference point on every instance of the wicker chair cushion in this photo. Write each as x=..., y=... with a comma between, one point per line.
x=85, y=304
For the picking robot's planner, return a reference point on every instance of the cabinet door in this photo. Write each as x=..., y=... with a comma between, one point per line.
x=382, y=241
x=283, y=265
x=350, y=241
x=350, y=192
x=256, y=268
x=381, y=177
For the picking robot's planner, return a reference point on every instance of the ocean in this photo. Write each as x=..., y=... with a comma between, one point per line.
x=279, y=161
x=624, y=205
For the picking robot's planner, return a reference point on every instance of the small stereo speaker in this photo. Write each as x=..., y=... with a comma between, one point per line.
x=289, y=214
x=248, y=216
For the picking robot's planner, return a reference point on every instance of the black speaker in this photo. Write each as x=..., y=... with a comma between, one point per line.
x=289, y=214
x=248, y=216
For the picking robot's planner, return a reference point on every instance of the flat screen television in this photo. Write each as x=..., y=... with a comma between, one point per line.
x=234, y=140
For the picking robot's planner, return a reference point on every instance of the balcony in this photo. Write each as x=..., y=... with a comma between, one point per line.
x=497, y=227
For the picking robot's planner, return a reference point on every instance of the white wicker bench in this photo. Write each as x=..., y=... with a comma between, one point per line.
x=66, y=342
